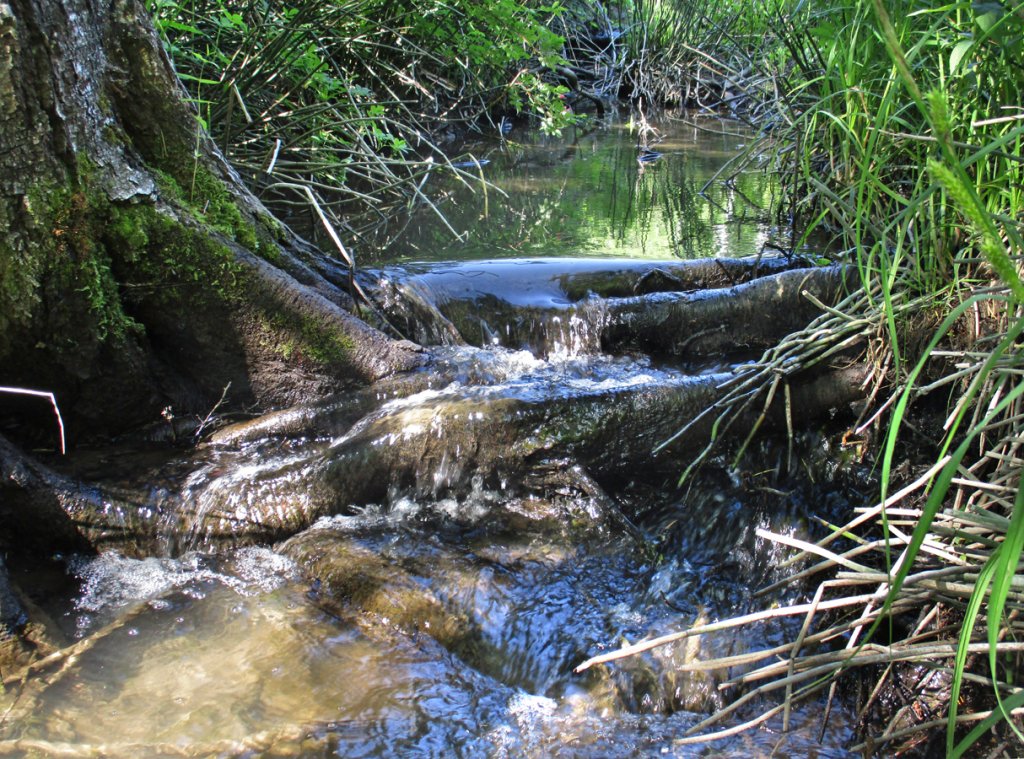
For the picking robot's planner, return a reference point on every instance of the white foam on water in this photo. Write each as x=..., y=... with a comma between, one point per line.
x=532, y=713
x=111, y=582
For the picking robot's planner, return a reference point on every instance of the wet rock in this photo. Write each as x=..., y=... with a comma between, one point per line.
x=352, y=580
x=519, y=606
x=12, y=619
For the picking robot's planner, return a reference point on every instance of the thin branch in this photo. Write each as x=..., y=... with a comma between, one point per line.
x=53, y=402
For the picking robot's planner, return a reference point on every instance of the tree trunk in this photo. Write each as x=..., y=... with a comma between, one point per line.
x=136, y=271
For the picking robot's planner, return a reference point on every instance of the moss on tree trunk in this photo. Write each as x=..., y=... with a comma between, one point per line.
x=138, y=272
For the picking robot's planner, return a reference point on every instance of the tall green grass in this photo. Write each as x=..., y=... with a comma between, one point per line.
x=902, y=139
x=897, y=130
x=695, y=54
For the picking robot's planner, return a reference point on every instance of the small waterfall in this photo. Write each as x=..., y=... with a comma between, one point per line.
x=244, y=498
x=579, y=332
x=545, y=306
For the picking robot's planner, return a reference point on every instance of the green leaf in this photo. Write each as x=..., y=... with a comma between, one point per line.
x=179, y=27
x=988, y=19
x=985, y=725
x=197, y=80
x=964, y=640
x=1007, y=557
x=958, y=54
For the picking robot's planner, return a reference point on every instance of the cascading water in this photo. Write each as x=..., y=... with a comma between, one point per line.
x=445, y=552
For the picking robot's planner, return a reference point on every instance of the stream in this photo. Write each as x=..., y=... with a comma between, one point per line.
x=442, y=613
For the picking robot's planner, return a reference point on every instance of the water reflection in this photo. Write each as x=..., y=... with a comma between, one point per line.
x=588, y=194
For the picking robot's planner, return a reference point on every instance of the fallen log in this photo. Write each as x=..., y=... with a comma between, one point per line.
x=753, y=315
x=38, y=506
x=703, y=307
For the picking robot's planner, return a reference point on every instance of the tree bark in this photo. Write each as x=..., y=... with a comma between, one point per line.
x=137, y=272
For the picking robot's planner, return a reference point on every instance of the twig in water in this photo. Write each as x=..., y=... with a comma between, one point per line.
x=209, y=416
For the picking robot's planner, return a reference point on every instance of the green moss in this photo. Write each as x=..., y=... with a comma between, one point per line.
x=271, y=226
x=167, y=260
x=269, y=235
x=94, y=259
x=127, y=230
x=184, y=180
x=168, y=186
x=100, y=289
x=207, y=197
x=325, y=346
x=210, y=199
x=296, y=339
x=114, y=135
x=19, y=288
x=73, y=267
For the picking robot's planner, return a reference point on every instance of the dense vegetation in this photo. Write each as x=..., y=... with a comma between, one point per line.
x=897, y=129
x=323, y=104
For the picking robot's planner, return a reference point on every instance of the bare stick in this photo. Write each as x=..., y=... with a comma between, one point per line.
x=206, y=421
x=647, y=645
x=53, y=402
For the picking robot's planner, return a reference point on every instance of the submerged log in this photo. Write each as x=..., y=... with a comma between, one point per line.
x=273, y=476
x=436, y=445
x=43, y=511
x=37, y=505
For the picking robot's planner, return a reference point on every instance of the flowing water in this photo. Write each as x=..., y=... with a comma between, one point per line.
x=587, y=194
x=442, y=612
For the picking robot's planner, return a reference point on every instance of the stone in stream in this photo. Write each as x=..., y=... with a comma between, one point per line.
x=520, y=601
x=12, y=619
x=507, y=585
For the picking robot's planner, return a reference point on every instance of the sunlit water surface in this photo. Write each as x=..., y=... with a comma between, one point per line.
x=585, y=193
x=464, y=616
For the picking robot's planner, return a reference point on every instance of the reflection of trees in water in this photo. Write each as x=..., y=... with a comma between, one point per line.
x=592, y=196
